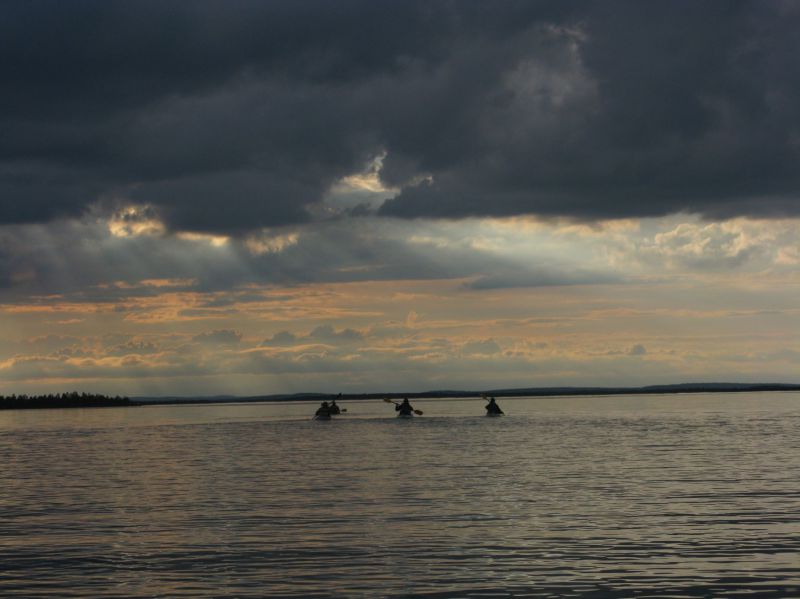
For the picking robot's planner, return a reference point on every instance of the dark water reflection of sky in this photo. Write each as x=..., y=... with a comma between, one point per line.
x=680, y=496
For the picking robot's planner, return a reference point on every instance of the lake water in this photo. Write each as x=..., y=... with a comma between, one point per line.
x=668, y=496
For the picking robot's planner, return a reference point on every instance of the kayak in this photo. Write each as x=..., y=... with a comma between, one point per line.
x=322, y=417
x=493, y=414
x=405, y=415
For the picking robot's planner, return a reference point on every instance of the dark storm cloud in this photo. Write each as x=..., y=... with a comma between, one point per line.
x=228, y=116
x=654, y=108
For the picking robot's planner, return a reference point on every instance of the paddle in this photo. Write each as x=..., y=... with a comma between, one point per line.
x=387, y=400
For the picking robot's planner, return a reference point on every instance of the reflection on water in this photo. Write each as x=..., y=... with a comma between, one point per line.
x=679, y=496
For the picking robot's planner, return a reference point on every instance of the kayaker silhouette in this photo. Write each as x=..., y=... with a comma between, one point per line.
x=404, y=408
x=492, y=409
x=333, y=408
x=323, y=411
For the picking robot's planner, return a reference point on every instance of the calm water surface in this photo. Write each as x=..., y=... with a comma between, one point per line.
x=668, y=496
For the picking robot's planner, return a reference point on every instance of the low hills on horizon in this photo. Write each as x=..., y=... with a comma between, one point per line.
x=460, y=393
x=88, y=400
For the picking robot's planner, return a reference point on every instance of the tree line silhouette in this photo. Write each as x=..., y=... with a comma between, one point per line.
x=72, y=399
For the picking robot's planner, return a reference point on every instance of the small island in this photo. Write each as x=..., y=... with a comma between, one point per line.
x=62, y=400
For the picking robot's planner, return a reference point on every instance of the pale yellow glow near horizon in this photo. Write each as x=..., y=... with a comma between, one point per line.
x=691, y=300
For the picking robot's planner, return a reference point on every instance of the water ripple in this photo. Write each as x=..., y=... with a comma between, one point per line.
x=631, y=500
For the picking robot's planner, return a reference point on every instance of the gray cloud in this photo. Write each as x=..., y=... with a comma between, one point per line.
x=226, y=117
x=219, y=337
x=481, y=347
x=637, y=350
x=507, y=278
x=282, y=338
x=324, y=334
x=327, y=334
x=141, y=348
x=45, y=344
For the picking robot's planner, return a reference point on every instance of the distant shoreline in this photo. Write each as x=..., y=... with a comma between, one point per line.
x=73, y=400
x=465, y=394
x=62, y=400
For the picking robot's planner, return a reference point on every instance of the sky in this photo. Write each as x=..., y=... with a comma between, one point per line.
x=229, y=197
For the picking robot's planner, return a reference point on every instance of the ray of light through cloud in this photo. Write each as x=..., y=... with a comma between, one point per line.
x=478, y=303
x=456, y=197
